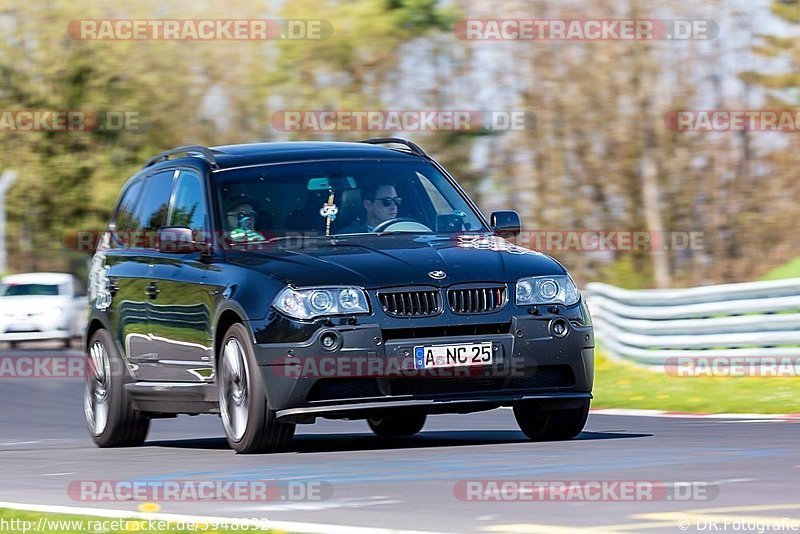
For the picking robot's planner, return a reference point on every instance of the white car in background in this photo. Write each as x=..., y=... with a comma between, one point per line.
x=41, y=306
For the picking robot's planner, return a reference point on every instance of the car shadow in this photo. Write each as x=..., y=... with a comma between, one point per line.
x=314, y=443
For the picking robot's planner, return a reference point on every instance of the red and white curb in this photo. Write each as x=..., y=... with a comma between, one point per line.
x=252, y=524
x=688, y=415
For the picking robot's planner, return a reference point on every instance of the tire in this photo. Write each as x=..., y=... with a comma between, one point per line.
x=540, y=424
x=397, y=426
x=111, y=418
x=250, y=424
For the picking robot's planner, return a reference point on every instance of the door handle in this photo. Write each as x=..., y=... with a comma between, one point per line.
x=152, y=290
x=111, y=286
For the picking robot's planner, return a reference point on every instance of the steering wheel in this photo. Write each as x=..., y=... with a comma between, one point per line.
x=409, y=225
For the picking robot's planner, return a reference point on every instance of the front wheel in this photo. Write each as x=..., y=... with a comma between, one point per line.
x=250, y=425
x=110, y=416
x=397, y=426
x=542, y=424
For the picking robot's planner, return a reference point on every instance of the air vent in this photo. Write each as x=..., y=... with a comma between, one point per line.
x=411, y=303
x=470, y=300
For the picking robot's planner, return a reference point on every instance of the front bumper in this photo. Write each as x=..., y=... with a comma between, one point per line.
x=35, y=331
x=368, y=370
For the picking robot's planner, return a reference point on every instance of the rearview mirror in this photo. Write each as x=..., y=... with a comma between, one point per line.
x=335, y=183
x=506, y=223
x=178, y=240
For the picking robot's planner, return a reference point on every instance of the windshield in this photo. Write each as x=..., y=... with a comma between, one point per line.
x=338, y=197
x=21, y=290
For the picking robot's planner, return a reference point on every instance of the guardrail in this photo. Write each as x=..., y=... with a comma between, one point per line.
x=651, y=326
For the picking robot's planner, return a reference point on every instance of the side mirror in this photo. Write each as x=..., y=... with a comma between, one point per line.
x=506, y=223
x=178, y=240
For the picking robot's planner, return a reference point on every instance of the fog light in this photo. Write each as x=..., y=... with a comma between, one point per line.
x=559, y=328
x=329, y=340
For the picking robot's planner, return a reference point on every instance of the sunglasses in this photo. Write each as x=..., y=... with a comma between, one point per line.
x=389, y=201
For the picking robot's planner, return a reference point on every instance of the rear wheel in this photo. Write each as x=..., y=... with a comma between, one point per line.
x=396, y=426
x=543, y=424
x=250, y=425
x=110, y=416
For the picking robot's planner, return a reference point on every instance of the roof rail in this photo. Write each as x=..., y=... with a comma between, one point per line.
x=190, y=150
x=397, y=140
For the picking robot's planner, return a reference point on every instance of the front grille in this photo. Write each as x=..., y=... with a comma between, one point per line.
x=411, y=303
x=470, y=300
x=483, y=329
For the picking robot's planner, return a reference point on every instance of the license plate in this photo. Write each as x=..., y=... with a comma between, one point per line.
x=462, y=355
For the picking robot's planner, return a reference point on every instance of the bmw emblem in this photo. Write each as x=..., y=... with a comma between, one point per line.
x=437, y=275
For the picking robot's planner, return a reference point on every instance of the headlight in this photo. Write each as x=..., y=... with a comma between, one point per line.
x=547, y=290
x=314, y=302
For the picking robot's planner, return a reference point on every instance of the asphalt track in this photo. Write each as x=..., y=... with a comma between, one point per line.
x=750, y=469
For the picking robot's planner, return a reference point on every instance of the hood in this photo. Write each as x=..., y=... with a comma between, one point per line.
x=25, y=305
x=384, y=260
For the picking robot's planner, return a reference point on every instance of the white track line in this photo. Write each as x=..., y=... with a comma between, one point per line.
x=664, y=413
x=289, y=526
x=686, y=415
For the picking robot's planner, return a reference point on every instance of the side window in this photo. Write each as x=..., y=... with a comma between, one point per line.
x=121, y=222
x=188, y=205
x=151, y=213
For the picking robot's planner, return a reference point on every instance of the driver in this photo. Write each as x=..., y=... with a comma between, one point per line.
x=381, y=203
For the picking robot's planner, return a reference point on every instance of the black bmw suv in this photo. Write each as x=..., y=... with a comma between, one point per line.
x=280, y=282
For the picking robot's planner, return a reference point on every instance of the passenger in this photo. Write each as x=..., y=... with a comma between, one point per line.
x=242, y=220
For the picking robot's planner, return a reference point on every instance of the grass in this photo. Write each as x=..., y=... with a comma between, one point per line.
x=790, y=269
x=620, y=384
x=21, y=522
